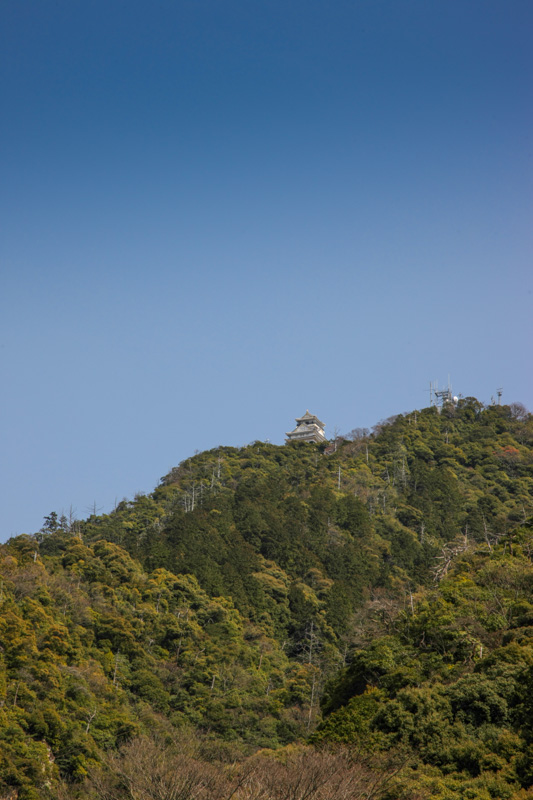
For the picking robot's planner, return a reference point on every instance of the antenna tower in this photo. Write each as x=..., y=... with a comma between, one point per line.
x=440, y=397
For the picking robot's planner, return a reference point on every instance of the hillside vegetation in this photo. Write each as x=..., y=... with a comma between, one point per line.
x=285, y=622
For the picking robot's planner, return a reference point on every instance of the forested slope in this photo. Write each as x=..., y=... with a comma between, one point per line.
x=376, y=595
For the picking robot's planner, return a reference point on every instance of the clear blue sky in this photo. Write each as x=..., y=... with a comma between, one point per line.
x=215, y=215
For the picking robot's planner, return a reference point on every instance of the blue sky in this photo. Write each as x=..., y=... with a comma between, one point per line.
x=216, y=215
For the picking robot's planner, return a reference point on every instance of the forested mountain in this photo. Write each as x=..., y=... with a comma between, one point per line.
x=299, y=621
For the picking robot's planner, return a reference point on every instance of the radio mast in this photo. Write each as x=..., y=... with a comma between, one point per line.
x=441, y=397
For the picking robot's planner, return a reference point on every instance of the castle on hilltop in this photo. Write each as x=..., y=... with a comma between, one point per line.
x=308, y=429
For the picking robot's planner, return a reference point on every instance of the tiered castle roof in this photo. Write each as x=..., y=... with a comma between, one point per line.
x=308, y=429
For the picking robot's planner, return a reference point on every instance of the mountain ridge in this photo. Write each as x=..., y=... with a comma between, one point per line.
x=271, y=593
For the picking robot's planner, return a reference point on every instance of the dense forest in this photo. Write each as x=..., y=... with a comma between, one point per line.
x=297, y=622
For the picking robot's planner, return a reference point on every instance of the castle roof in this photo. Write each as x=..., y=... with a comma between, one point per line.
x=308, y=429
x=309, y=418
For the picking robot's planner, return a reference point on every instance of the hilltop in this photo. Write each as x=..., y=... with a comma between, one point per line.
x=373, y=594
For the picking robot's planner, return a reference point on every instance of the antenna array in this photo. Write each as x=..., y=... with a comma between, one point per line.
x=441, y=397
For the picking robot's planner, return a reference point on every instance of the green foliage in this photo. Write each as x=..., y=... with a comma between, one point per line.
x=379, y=596
x=350, y=723
x=455, y=681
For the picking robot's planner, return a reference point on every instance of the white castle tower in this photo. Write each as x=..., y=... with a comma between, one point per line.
x=308, y=429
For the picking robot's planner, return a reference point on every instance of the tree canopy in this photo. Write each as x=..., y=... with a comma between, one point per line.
x=376, y=599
